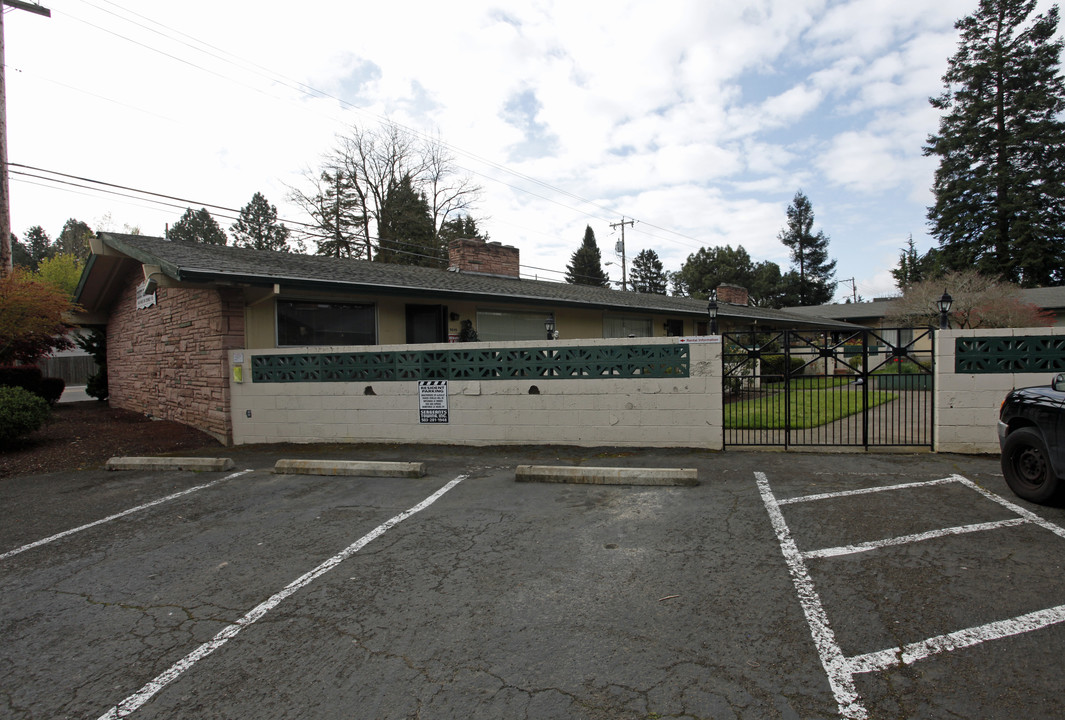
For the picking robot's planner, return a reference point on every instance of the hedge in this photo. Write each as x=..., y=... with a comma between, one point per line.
x=21, y=412
x=29, y=377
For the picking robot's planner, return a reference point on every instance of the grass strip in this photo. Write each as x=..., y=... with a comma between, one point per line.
x=807, y=409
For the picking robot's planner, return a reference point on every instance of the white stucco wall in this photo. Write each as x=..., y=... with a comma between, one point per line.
x=967, y=405
x=652, y=412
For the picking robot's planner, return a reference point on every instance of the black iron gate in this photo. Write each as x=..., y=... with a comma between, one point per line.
x=811, y=387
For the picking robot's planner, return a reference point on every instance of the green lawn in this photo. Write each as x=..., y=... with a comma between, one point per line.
x=812, y=383
x=808, y=408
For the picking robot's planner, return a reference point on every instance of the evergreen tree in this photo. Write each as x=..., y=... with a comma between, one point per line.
x=197, y=227
x=73, y=240
x=908, y=270
x=586, y=264
x=406, y=234
x=708, y=268
x=463, y=227
x=257, y=227
x=20, y=254
x=647, y=275
x=809, y=254
x=36, y=247
x=338, y=215
x=1000, y=186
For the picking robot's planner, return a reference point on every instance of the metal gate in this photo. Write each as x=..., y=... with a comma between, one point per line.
x=813, y=387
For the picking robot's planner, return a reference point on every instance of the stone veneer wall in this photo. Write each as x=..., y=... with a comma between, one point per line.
x=170, y=360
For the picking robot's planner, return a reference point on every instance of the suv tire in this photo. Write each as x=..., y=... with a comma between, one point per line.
x=1027, y=467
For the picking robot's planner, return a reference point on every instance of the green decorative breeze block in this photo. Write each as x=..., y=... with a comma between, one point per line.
x=1003, y=355
x=620, y=361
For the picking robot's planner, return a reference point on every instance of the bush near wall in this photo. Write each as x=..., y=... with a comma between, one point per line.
x=21, y=412
x=30, y=378
x=773, y=366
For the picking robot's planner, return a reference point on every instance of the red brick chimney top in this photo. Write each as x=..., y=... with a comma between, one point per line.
x=474, y=255
x=732, y=294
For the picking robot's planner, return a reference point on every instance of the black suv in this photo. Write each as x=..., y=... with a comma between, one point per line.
x=1031, y=433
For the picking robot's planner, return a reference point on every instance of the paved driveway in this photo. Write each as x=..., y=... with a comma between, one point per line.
x=771, y=590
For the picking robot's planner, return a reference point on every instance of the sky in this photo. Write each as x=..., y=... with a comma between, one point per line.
x=698, y=120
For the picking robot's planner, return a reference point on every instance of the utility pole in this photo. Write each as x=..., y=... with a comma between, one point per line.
x=620, y=248
x=854, y=287
x=6, y=265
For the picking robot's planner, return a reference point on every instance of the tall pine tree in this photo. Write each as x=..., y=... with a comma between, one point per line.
x=586, y=265
x=197, y=227
x=814, y=272
x=406, y=233
x=1000, y=187
x=647, y=274
x=257, y=227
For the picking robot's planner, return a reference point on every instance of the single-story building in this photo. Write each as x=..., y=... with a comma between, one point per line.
x=172, y=311
x=874, y=314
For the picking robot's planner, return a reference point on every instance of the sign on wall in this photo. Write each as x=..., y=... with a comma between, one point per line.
x=144, y=299
x=432, y=401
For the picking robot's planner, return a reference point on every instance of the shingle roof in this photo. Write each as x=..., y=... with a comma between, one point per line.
x=1047, y=298
x=213, y=263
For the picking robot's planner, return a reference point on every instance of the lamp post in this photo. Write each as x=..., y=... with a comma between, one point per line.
x=549, y=325
x=711, y=311
x=944, y=304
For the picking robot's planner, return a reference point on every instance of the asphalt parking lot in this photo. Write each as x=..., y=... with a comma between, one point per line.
x=782, y=586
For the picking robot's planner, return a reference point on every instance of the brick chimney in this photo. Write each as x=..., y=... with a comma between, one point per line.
x=732, y=294
x=484, y=258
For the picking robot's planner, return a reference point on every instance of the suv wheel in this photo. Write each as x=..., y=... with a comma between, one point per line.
x=1026, y=466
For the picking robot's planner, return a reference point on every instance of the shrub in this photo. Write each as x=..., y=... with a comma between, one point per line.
x=773, y=366
x=21, y=412
x=96, y=386
x=95, y=343
x=29, y=378
x=52, y=389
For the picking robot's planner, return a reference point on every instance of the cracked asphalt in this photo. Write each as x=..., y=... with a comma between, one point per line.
x=518, y=600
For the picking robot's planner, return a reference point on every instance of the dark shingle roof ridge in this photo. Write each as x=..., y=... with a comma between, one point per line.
x=201, y=261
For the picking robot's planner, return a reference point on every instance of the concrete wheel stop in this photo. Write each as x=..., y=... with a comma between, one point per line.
x=350, y=467
x=607, y=475
x=170, y=463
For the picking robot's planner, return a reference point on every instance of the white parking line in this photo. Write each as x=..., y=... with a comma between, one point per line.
x=863, y=491
x=841, y=669
x=133, y=702
x=907, y=539
x=840, y=678
x=883, y=659
x=124, y=513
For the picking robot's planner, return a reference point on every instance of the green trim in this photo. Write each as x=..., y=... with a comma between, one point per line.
x=1007, y=355
x=558, y=363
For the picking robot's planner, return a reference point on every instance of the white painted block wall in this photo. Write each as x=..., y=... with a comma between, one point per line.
x=654, y=412
x=967, y=405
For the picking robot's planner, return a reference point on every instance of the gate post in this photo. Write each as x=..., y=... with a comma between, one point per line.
x=864, y=375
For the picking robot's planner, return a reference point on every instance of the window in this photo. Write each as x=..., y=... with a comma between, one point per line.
x=313, y=323
x=503, y=325
x=620, y=327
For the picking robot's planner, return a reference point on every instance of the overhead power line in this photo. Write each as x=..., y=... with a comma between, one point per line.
x=605, y=213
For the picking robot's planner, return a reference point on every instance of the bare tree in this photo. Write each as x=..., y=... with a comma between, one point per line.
x=372, y=160
x=448, y=192
x=337, y=213
x=978, y=301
